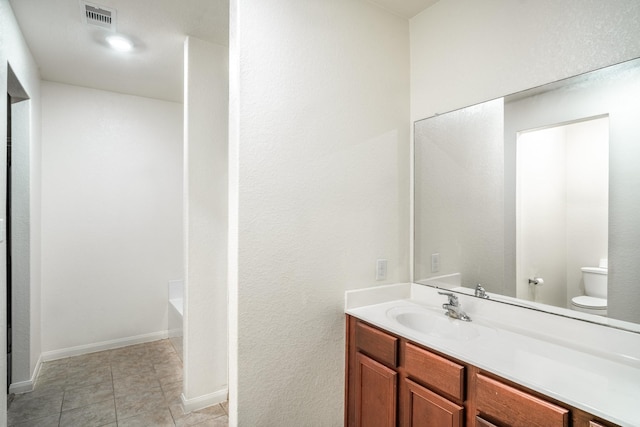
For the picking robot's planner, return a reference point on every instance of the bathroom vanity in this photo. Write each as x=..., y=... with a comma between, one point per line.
x=410, y=365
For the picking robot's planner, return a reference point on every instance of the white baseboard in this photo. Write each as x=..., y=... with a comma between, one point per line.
x=200, y=402
x=101, y=346
x=29, y=385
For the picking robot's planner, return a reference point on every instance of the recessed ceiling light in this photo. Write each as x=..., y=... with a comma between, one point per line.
x=120, y=43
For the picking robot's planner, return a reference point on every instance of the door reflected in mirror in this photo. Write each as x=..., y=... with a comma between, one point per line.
x=562, y=210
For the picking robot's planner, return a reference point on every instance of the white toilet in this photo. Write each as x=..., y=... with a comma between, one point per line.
x=595, y=286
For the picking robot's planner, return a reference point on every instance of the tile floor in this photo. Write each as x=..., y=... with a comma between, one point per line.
x=137, y=386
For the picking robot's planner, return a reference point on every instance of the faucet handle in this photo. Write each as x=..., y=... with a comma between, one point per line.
x=480, y=292
x=453, y=299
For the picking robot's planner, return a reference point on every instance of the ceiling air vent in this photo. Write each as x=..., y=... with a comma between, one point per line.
x=100, y=16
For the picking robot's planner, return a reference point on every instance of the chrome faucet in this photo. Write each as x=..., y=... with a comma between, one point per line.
x=453, y=307
x=480, y=292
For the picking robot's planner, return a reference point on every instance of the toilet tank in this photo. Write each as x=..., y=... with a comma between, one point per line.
x=595, y=281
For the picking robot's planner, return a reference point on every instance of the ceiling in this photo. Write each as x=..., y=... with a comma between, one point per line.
x=405, y=8
x=68, y=50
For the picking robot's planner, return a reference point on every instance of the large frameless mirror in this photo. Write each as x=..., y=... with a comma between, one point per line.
x=535, y=196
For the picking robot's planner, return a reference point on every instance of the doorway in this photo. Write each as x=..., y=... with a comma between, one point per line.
x=16, y=231
x=562, y=213
x=7, y=226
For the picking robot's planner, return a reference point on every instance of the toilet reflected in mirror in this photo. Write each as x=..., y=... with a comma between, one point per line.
x=594, y=301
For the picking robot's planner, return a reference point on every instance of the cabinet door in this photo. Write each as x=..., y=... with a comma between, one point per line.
x=427, y=409
x=376, y=393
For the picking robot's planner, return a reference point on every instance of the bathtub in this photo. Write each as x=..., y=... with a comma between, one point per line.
x=175, y=312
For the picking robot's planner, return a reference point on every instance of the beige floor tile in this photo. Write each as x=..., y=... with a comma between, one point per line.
x=225, y=406
x=128, y=353
x=168, y=373
x=39, y=391
x=161, y=418
x=91, y=359
x=216, y=422
x=79, y=397
x=76, y=377
x=164, y=358
x=167, y=369
x=124, y=370
x=50, y=421
x=28, y=407
x=158, y=345
x=54, y=364
x=129, y=386
x=134, y=384
x=172, y=392
x=95, y=415
x=50, y=370
x=138, y=403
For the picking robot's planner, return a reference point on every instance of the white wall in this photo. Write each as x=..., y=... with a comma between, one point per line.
x=21, y=291
x=13, y=50
x=205, y=222
x=320, y=174
x=464, y=51
x=111, y=215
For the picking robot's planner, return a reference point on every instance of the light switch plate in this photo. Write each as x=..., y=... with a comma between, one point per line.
x=435, y=262
x=381, y=269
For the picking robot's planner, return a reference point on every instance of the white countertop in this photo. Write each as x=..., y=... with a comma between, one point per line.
x=591, y=367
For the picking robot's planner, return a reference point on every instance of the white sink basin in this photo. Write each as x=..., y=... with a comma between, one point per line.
x=435, y=323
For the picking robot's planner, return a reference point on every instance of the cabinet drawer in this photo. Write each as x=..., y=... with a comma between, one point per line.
x=377, y=344
x=435, y=371
x=514, y=407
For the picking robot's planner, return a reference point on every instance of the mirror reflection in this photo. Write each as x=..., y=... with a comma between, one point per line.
x=536, y=196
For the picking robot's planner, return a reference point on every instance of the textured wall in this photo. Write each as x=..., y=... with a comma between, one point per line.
x=322, y=134
x=464, y=52
x=21, y=244
x=13, y=50
x=205, y=219
x=111, y=214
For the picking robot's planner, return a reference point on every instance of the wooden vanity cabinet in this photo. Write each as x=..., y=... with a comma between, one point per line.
x=372, y=378
x=393, y=382
x=434, y=389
